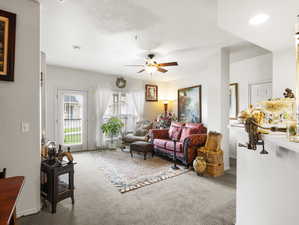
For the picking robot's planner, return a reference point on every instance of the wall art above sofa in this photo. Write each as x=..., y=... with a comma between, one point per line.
x=189, y=104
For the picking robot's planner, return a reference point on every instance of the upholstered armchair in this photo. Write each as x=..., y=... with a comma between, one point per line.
x=141, y=133
x=189, y=136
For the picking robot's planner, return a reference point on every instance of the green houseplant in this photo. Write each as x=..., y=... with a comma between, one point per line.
x=112, y=127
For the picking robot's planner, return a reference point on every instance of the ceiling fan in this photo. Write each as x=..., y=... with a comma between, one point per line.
x=152, y=66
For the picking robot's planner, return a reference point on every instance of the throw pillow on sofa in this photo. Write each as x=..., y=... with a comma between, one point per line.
x=187, y=131
x=201, y=128
x=175, y=130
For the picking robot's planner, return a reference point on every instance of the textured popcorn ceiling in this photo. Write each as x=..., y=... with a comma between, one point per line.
x=184, y=31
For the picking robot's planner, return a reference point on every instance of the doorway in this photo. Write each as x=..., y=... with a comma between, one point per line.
x=72, y=119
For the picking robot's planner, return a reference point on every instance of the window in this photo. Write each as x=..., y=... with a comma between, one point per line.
x=122, y=106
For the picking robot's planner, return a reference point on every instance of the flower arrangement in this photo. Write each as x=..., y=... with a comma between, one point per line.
x=275, y=106
x=252, y=112
x=280, y=110
x=164, y=119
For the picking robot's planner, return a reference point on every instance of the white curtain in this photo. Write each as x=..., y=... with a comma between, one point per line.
x=138, y=100
x=103, y=97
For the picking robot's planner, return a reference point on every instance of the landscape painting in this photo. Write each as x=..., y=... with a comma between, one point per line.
x=189, y=104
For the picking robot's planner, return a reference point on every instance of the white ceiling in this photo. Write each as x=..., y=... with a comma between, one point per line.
x=184, y=31
x=275, y=34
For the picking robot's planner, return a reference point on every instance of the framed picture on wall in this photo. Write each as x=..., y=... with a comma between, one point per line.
x=7, y=45
x=189, y=104
x=151, y=93
x=233, y=101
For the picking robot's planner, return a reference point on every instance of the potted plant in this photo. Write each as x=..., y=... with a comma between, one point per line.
x=112, y=127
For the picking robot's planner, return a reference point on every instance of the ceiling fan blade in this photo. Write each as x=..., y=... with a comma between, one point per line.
x=134, y=65
x=168, y=64
x=141, y=71
x=162, y=70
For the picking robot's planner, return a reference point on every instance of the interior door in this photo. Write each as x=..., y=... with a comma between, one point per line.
x=260, y=92
x=72, y=119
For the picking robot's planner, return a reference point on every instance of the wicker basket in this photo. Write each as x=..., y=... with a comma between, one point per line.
x=214, y=157
x=211, y=156
x=215, y=170
x=214, y=161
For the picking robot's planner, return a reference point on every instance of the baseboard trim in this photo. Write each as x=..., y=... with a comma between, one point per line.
x=27, y=212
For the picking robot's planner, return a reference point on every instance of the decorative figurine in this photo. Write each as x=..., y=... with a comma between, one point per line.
x=67, y=154
x=50, y=154
x=288, y=93
x=255, y=137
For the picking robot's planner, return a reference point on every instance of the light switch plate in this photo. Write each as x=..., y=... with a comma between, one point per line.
x=25, y=127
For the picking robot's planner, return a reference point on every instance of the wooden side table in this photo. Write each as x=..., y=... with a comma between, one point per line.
x=57, y=182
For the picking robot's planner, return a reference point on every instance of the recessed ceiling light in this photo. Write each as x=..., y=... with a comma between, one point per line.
x=259, y=19
x=76, y=47
x=61, y=1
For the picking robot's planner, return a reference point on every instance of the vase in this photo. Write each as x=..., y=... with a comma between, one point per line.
x=200, y=165
x=291, y=129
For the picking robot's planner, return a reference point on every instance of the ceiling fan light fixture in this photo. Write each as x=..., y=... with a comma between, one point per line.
x=150, y=69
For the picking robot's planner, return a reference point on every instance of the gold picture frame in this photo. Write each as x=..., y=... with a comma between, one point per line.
x=7, y=45
x=190, y=104
x=233, y=101
x=151, y=93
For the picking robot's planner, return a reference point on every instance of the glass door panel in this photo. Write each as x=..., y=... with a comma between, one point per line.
x=72, y=120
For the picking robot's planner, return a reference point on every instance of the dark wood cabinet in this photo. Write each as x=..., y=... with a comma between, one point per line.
x=57, y=182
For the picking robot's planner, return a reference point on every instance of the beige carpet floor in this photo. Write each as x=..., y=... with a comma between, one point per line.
x=184, y=200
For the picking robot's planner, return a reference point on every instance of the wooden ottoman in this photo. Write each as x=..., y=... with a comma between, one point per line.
x=142, y=147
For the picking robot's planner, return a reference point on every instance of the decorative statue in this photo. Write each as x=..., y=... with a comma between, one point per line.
x=61, y=154
x=255, y=137
x=288, y=93
x=251, y=127
x=50, y=154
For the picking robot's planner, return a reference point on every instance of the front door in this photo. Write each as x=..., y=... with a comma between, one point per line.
x=72, y=119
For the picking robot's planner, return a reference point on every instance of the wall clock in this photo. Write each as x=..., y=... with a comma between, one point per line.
x=121, y=82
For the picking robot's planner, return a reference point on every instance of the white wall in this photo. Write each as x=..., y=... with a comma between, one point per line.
x=213, y=78
x=19, y=100
x=246, y=72
x=250, y=71
x=73, y=79
x=284, y=71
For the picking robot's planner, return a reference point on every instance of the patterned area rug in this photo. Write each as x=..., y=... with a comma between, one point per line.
x=128, y=174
